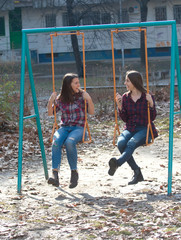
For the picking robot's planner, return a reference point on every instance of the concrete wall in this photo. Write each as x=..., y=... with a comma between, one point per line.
x=159, y=36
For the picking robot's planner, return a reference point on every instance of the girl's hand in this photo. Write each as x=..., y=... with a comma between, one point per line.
x=118, y=98
x=53, y=97
x=149, y=99
x=86, y=96
x=50, y=102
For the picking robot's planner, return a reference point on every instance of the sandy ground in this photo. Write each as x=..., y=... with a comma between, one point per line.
x=101, y=206
x=95, y=208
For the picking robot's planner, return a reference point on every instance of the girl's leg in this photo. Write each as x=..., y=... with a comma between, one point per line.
x=58, y=141
x=74, y=136
x=138, y=139
x=123, y=139
x=131, y=162
x=122, y=143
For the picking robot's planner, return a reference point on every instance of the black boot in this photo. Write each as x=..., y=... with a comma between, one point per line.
x=137, y=177
x=55, y=180
x=113, y=166
x=74, y=179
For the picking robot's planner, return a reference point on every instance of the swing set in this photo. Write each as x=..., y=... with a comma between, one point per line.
x=115, y=28
x=86, y=126
x=116, y=128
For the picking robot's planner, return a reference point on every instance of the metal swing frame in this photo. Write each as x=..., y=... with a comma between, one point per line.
x=25, y=55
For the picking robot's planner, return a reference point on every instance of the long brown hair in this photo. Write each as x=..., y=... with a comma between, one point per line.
x=136, y=79
x=66, y=94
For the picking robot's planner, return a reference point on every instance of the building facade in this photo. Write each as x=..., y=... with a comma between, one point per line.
x=18, y=15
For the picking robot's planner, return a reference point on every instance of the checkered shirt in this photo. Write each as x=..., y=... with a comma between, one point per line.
x=136, y=113
x=72, y=114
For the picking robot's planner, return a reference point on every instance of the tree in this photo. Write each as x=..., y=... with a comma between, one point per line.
x=144, y=10
x=84, y=8
x=74, y=40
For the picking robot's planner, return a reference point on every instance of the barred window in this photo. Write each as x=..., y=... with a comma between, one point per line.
x=106, y=18
x=65, y=19
x=160, y=14
x=87, y=20
x=50, y=20
x=92, y=18
x=177, y=13
x=2, y=26
x=96, y=17
x=125, y=16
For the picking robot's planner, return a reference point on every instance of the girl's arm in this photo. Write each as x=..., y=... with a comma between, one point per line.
x=120, y=100
x=151, y=101
x=51, y=102
x=88, y=98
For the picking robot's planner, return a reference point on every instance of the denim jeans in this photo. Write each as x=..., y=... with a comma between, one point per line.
x=128, y=142
x=67, y=136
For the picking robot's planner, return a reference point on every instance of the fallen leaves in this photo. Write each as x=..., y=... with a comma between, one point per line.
x=52, y=213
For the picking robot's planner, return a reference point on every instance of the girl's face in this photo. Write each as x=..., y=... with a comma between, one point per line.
x=129, y=84
x=75, y=84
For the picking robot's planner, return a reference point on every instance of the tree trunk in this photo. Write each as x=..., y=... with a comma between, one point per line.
x=74, y=40
x=144, y=10
x=120, y=9
x=77, y=56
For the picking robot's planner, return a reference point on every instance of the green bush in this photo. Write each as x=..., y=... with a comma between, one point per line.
x=8, y=98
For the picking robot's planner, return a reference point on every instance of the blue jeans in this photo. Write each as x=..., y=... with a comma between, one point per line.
x=128, y=142
x=67, y=136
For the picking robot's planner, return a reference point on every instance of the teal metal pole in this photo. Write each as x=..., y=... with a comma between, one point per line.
x=172, y=84
x=36, y=109
x=21, y=112
x=99, y=27
x=178, y=71
x=31, y=116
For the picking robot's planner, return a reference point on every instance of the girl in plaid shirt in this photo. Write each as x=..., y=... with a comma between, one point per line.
x=132, y=108
x=71, y=103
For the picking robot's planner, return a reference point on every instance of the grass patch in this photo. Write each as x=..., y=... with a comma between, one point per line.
x=117, y=233
x=171, y=229
x=98, y=225
x=91, y=236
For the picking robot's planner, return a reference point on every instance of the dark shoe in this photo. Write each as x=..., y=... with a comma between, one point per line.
x=55, y=180
x=137, y=177
x=113, y=166
x=74, y=179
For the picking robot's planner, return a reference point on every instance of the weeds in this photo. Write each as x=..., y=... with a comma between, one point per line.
x=8, y=103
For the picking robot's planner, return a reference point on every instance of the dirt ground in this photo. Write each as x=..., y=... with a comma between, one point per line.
x=101, y=206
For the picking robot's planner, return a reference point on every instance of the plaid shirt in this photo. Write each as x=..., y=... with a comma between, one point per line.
x=136, y=113
x=72, y=114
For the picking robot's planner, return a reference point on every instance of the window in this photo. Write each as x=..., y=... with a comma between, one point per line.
x=86, y=20
x=162, y=49
x=106, y=18
x=177, y=13
x=125, y=16
x=2, y=26
x=160, y=14
x=50, y=20
x=96, y=17
x=65, y=19
x=77, y=18
x=91, y=18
